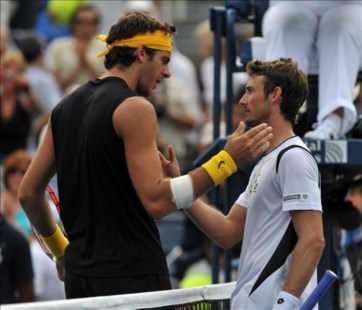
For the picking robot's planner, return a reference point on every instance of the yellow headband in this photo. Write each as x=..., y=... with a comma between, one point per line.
x=159, y=40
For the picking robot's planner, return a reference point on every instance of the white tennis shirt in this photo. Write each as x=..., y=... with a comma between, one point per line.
x=268, y=197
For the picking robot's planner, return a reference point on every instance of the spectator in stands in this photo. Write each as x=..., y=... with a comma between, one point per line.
x=184, y=71
x=204, y=37
x=47, y=286
x=175, y=116
x=23, y=14
x=332, y=31
x=18, y=15
x=48, y=24
x=18, y=104
x=15, y=265
x=15, y=166
x=73, y=59
x=41, y=80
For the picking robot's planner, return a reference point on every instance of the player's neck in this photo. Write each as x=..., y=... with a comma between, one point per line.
x=129, y=75
x=282, y=130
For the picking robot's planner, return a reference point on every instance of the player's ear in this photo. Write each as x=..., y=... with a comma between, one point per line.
x=276, y=94
x=140, y=52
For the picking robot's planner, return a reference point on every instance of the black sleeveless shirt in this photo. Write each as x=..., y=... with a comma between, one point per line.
x=110, y=232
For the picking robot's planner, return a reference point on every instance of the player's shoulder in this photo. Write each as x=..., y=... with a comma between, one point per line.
x=137, y=102
x=135, y=108
x=294, y=154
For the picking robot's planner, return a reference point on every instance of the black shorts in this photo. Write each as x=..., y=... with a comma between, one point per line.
x=80, y=287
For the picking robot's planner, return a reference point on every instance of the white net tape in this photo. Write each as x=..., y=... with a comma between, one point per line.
x=149, y=300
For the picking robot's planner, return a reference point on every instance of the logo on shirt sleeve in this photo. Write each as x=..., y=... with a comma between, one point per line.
x=295, y=197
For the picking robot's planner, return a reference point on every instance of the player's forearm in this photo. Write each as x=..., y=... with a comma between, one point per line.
x=213, y=223
x=202, y=182
x=37, y=208
x=161, y=201
x=304, y=262
x=38, y=212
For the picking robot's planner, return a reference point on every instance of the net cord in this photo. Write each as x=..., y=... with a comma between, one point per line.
x=148, y=300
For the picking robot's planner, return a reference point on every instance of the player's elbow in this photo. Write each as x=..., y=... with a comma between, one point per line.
x=320, y=244
x=227, y=243
x=226, y=239
x=157, y=214
x=317, y=244
x=24, y=194
x=157, y=209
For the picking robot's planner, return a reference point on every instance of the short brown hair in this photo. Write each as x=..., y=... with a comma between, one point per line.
x=17, y=160
x=131, y=24
x=286, y=74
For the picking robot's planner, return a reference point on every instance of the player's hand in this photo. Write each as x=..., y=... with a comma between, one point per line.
x=245, y=147
x=170, y=167
x=60, y=268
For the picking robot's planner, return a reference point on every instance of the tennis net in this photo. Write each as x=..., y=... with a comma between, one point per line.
x=209, y=297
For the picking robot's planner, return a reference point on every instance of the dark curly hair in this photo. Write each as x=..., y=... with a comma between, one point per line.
x=131, y=24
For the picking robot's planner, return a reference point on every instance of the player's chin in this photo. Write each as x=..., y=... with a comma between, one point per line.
x=250, y=122
x=155, y=86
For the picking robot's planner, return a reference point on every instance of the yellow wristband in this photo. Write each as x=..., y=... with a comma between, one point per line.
x=220, y=167
x=56, y=243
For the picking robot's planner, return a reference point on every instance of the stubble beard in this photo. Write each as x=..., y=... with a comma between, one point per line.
x=141, y=91
x=252, y=122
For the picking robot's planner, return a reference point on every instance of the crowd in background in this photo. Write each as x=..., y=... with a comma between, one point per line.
x=48, y=49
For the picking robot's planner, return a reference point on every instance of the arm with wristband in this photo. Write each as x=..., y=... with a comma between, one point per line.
x=35, y=204
x=56, y=242
x=49, y=234
x=239, y=149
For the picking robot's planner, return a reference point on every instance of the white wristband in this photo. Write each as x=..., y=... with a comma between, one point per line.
x=286, y=301
x=182, y=191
